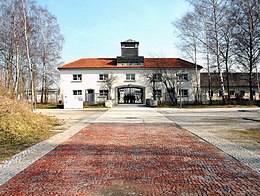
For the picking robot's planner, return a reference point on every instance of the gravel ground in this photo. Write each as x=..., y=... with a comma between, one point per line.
x=70, y=117
x=218, y=125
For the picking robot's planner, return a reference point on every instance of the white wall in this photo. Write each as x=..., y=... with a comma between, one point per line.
x=90, y=80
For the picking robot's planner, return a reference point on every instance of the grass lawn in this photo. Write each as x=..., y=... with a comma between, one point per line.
x=20, y=128
x=250, y=133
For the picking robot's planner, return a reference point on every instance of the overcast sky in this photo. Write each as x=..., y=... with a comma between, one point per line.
x=95, y=28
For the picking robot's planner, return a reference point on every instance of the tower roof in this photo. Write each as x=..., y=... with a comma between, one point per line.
x=130, y=41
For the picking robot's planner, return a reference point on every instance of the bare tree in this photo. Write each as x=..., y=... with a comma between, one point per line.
x=210, y=17
x=189, y=42
x=27, y=32
x=30, y=46
x=208, y=62
x=168, y=78
x=247, y=37
x=154, y=81
x=107, y=84
x=50, y=46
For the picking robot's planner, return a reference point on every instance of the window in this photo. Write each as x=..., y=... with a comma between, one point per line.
x=220, y=93
x=103, y=93
x=182, y=76
x=242, y=93
x=77, y=92
x=130, y=76
x=183, y=92
x=103, y=76
x=157, y=77
x=77, y=77
x=158, y=93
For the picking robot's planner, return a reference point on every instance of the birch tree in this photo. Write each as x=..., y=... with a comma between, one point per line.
x=27, y=30
x=189, y=43
x=30, y=47
x=247, y=37
x=50, y=45
x=209, y=18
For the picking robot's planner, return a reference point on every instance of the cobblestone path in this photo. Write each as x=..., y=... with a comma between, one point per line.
x=134, y=159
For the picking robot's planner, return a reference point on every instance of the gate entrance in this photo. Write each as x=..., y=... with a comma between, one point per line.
x=130, y=95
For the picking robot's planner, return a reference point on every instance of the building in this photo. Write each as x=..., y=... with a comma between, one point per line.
x=238, y=82
x=124, y=79
x=52, y=96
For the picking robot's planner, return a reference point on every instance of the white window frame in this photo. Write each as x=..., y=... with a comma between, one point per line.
x=103, y=77
x=77, y=77
x=77, y=92
x=103, y=93
x=130, y=77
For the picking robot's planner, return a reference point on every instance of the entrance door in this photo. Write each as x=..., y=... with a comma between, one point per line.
x=90, y=95
x=130, y=95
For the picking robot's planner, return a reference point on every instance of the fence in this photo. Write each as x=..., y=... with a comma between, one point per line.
x=95, y=99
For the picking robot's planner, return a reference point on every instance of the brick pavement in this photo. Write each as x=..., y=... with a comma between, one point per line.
x=134, y=159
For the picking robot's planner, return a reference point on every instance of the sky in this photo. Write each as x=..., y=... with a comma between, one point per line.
x=95, y=28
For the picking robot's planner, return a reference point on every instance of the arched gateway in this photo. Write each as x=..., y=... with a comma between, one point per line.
x=130, y=95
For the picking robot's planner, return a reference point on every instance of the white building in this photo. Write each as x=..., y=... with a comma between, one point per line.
x=85, y=81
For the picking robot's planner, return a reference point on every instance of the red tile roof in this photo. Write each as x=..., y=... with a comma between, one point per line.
x=88, y=63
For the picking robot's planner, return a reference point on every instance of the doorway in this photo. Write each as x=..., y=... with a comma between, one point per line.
x=90, y=95
x=130, y=95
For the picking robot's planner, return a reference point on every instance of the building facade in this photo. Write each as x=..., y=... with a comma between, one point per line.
x=238, y=84
x=126, y=79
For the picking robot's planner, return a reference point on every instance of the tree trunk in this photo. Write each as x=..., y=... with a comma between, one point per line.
x=208, y=64
x=30, y=66
x=227, y=78
x=197, y=95
x=251, y=56
x=171, y=93
x=218, y=52
x=17, y=65
x=43, y=89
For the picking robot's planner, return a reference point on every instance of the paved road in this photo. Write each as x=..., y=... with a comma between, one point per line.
x=145, y=155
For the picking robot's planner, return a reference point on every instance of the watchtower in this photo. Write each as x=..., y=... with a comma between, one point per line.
x=130, y=54
x=129, y=48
